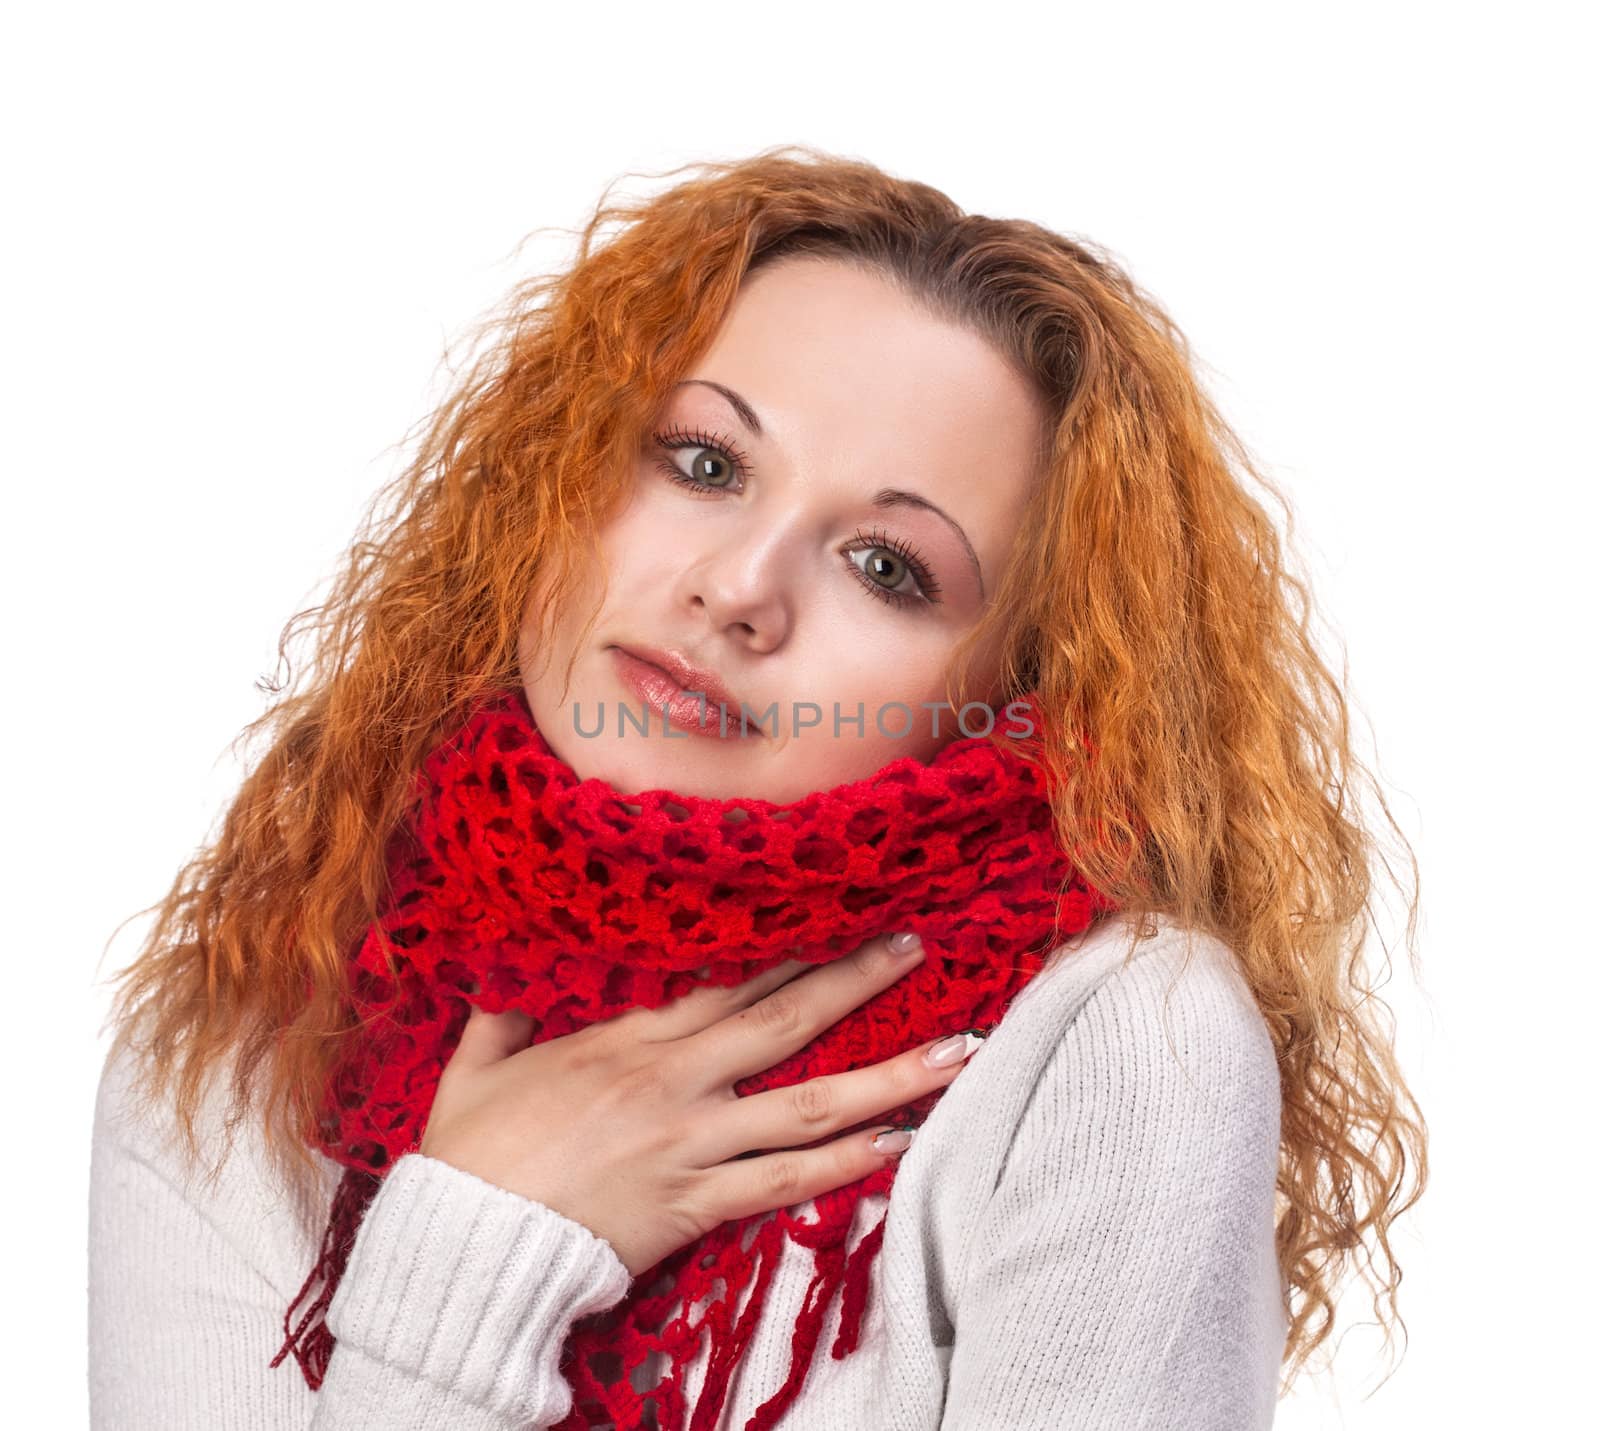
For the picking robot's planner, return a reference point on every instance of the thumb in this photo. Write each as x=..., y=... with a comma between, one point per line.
x=488, y=1038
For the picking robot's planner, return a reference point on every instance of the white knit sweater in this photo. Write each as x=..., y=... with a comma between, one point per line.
x=1081, y=1235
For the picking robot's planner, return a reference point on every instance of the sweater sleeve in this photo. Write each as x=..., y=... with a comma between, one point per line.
x=455, y=1304
x=1123, y=1271
x=453, y=1309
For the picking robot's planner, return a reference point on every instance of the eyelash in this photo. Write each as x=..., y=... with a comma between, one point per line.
x=677, y=438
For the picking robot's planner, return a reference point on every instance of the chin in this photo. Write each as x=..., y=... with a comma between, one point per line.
x=690, y=765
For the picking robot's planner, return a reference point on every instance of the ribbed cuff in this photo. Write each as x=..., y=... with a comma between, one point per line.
x=472, y=1287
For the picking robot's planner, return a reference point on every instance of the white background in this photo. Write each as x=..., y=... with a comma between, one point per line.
x=239, y=239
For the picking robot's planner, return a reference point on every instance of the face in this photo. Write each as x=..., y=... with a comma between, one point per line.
x=823, y=508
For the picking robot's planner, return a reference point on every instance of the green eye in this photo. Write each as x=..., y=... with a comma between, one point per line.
x=888, y=565
x=717, y=464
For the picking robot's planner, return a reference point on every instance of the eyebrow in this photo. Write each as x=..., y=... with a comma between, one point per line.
x=884, y=498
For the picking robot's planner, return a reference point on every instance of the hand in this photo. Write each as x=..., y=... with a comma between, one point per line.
x=632, y=1126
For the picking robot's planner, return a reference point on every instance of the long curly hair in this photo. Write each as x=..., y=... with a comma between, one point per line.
x=1148, y=601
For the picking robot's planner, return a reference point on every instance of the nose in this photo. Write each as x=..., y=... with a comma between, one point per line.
x=742, y=590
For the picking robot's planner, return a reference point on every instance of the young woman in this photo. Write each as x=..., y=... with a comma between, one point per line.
x=812, y=605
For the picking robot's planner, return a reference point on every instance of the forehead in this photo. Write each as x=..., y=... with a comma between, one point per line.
x=852, y=376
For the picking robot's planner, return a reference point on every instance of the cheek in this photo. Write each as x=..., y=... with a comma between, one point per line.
x=633, y=547
x=654, y=532
x=884, y=663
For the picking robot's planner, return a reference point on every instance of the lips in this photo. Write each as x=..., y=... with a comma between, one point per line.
x=688, y=676
x=664, y=679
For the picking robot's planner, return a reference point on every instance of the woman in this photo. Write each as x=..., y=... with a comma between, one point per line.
x=800, y=439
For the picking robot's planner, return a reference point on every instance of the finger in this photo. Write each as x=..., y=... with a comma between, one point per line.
x=750, y=1186
x=772, y=1028
x=801, y=1113
x=489, y=1038
x=703, y=1006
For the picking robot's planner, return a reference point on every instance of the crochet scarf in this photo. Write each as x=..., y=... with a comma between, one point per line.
x=516, y=885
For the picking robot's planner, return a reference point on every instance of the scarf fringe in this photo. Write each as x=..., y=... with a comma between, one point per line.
x=727, y=1344
x=853, y=1307
x=727, y=1337
x=313, y=1345
x=835, y=1268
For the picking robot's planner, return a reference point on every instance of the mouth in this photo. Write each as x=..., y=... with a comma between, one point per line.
x=687, y=695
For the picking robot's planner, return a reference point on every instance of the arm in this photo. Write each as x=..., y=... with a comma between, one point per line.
x=1123, y=1273
x=453, y=1309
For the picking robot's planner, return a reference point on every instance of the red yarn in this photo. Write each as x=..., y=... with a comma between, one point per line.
x=516, y=885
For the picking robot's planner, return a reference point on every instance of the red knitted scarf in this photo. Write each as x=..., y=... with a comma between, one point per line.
x=516, y=885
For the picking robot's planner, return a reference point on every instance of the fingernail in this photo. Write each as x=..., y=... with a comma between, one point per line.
x=905, y=942
x=894, y=1140
x=954, y=1049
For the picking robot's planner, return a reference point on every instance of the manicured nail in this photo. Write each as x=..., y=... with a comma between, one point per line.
x=955, y=1049
x=905, y=942
x=895, y=1140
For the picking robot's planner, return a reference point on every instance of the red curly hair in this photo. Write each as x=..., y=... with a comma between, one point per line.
x=1147, y=601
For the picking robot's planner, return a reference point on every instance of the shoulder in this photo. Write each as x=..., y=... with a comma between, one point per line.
x=1151, y=1050
x=232, y=1186
x=1176, y=998
x=133, y=1122
x=141, y=1123
x=1126, y=1061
